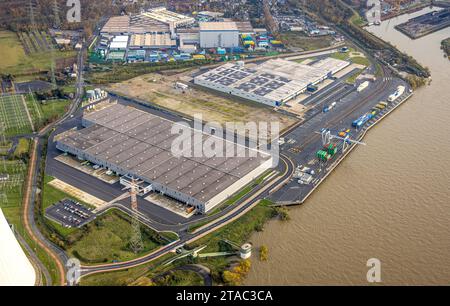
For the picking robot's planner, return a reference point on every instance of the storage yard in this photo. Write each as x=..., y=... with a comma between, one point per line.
x=160, y=90
x=134, y=143
x=273, y=82
x=423, y=25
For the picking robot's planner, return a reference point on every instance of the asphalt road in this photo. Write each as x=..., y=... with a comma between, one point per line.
x=190, y=237
x=347, y=111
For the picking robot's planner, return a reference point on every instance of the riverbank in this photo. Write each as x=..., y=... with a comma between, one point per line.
x=387, y=200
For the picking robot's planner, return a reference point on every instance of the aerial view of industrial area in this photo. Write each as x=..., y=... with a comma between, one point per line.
x=224, y=143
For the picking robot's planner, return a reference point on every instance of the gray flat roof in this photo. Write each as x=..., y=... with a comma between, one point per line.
x=140, y=144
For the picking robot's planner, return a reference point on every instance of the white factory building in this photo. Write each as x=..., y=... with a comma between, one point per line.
x=15, y=268
x=273, y=82
x=219, y=34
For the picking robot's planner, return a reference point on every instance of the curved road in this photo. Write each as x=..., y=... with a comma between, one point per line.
x=287, y=168
x=203, y=231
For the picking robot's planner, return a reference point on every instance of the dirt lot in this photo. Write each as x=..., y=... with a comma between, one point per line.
x=214, y=108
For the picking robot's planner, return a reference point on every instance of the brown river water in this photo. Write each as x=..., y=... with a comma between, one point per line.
x=388, y=200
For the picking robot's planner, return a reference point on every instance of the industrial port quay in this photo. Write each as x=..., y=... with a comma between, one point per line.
x=114, y=143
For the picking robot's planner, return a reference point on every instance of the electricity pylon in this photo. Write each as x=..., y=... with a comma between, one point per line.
x=31, y=13
x=57, y=21
x=136, y=243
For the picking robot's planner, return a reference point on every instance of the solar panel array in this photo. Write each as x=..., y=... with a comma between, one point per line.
x=260, y=84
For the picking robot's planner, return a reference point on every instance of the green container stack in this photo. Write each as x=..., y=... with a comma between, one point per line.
x=323, y=155
x=331, y=149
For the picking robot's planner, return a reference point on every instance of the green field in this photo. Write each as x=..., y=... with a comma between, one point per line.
x=238, y=231
x=360, y=60
x=300, y=40
x=11, y=189
x=11, y=196
x=15, y=61
x=11, y=51
x=179, y=278
x=107, y=239
x=103, y=240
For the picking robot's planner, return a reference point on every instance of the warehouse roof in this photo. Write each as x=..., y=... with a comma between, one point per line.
x=144, y=24
x=218, y=26
x=140, y=144
x=275, y=79
x=152, y=40
x=244, y=26
x=163, y=15
x=117, y=24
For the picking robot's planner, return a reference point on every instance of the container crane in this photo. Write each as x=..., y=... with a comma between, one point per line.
x=327, y=137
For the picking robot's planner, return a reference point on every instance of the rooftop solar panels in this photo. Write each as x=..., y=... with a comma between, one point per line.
x=274, y=85
x=259, y=80
x=272, y=82
x=247, y=86
x=239, y=75
x=262, y=91
x=225, y=81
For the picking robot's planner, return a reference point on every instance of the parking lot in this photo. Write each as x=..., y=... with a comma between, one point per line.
x=69, y=213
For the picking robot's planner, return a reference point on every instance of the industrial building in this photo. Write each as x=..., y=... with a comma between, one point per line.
x=116, y=25
x=173, y=19
x=134, y=143
x=273, y=82
x=157, y=20
x=244, y=28
x=152, y=41
x=189, y=39
x=119, y=43
x=219, y=34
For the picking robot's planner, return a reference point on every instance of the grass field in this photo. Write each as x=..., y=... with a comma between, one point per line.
x=238, y=231
x=14, y=59
x=179, y=278
x=11, y=196
x=104, y=239
x=11, y=189
x=22, y=147
x=108, y=237
x=298, y=40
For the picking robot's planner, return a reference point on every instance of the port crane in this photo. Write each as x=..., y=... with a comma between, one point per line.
x=327, y=137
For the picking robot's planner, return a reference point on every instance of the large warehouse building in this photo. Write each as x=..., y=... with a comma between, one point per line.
x=137, y=144
x=273, y=82
x=219, y=34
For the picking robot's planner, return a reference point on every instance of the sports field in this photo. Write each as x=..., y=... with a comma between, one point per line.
x=15, y=118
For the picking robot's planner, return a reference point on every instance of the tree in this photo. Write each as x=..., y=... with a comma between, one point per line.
x=263, y=253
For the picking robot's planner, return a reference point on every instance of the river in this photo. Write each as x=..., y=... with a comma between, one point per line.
x=388, y=200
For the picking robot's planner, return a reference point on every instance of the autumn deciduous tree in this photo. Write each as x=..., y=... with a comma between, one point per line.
x=237, y=274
